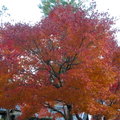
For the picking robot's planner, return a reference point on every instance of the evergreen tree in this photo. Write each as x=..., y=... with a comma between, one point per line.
x=47, y=5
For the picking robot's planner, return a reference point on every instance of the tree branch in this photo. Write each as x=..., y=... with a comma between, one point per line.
x=77, y=116
x=54, y=109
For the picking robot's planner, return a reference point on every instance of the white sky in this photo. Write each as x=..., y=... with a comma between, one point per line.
x=22, y=10
x=28, y=11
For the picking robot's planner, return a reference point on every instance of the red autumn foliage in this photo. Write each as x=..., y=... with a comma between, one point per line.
x=64, y=63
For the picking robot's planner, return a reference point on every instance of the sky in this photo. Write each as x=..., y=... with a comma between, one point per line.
x=28, y=11
x=22, y=10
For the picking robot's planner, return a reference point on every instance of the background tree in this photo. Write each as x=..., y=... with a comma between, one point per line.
x=64, y=64
x=3, y=9
x=3, y=13
x=47, y=5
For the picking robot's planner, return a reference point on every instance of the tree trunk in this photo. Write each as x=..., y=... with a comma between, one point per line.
x=69, y=115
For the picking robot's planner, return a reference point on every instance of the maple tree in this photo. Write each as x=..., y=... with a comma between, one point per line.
x=64, y=64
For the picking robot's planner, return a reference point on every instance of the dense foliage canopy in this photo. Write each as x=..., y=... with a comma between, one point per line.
x=69, y=63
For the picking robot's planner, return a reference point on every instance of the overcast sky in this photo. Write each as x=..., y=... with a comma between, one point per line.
x=28, y=11
x=22, y=10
